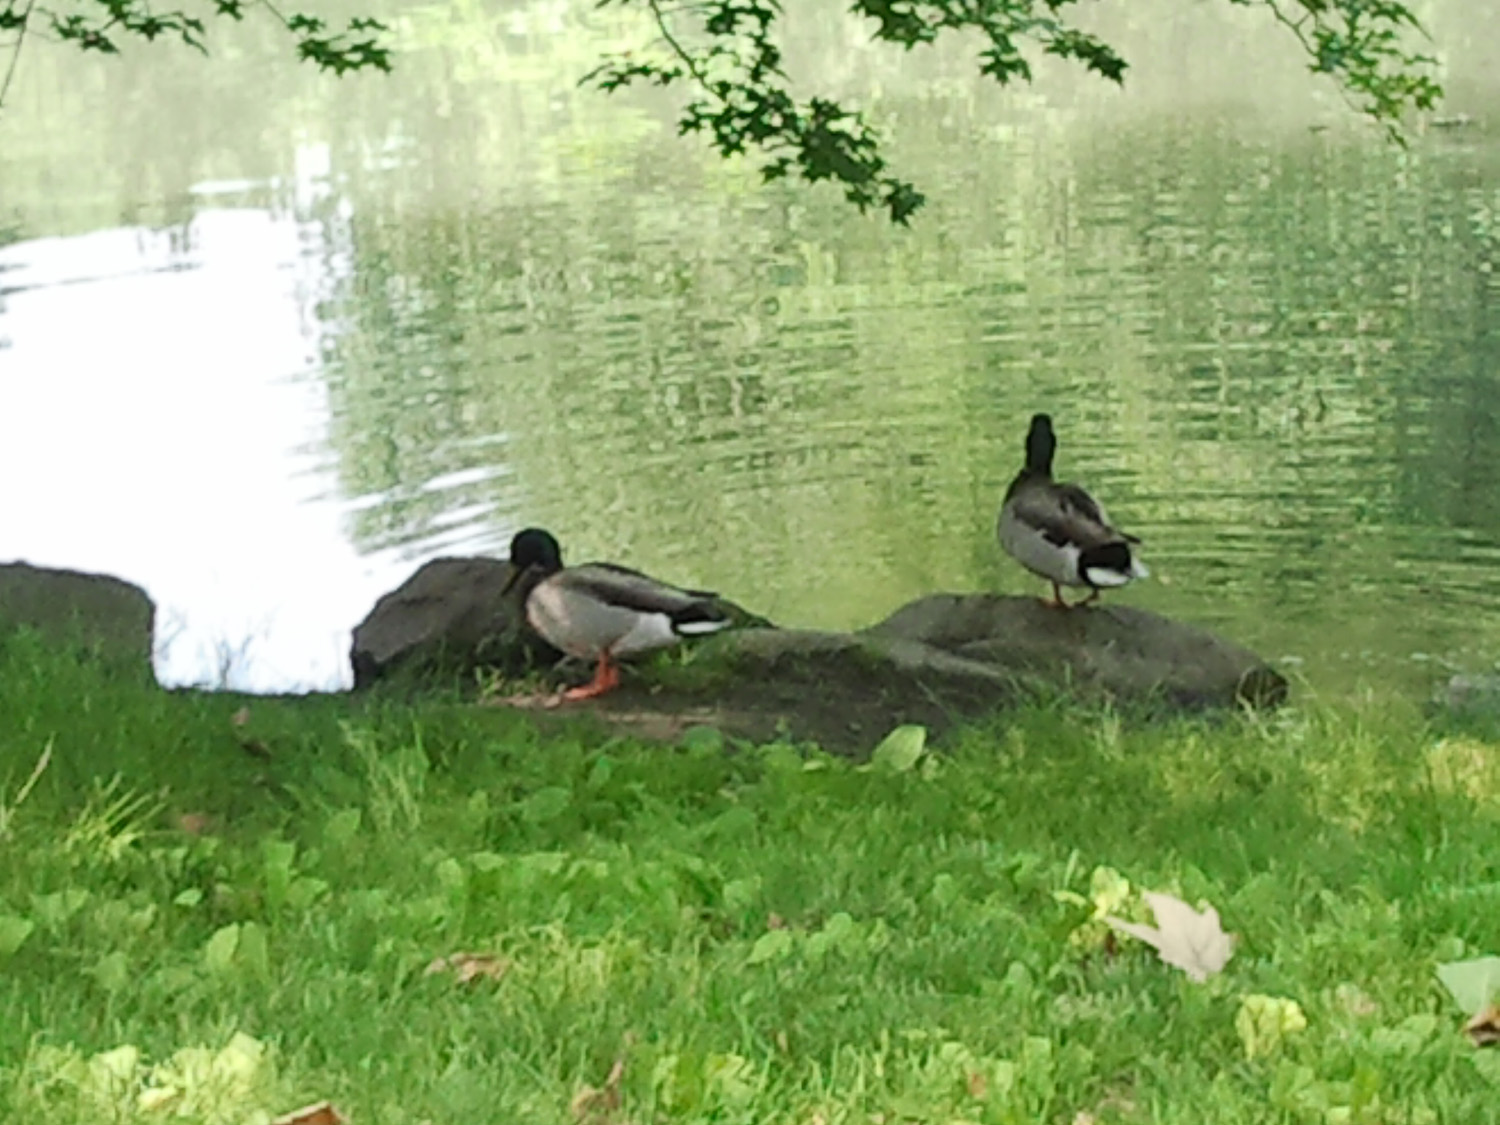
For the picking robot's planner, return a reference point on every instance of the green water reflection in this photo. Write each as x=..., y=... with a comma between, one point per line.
x=1271, y=342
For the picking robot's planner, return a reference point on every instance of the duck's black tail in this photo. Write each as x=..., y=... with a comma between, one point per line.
x=699, y=618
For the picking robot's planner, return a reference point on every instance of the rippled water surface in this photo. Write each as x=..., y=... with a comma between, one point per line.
x=269, y=341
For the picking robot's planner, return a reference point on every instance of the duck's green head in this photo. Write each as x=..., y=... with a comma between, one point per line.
x=535, y=552
x=1041, y=444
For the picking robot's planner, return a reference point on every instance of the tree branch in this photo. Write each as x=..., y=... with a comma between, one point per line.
x=15, y=51
x=677, y=48
x=1357, y=45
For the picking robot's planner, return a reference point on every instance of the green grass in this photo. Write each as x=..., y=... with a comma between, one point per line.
x=761, y=934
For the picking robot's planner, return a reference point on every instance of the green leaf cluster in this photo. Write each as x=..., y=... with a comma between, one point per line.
x=103, y=25
x=727, y=51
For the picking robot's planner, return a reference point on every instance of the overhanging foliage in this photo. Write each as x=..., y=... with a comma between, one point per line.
x=727, y=53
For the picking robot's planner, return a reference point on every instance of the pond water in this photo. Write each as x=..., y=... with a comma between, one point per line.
x=268, y=341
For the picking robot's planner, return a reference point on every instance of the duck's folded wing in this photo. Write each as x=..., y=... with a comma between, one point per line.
x=630, y=589
x=1065, y=516
x=1090, y=509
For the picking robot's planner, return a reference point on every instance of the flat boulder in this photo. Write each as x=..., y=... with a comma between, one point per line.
x=1100, y=650
x=939, y=661
x=114, y=618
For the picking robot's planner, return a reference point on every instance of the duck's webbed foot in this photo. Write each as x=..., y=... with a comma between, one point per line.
x=606, y=678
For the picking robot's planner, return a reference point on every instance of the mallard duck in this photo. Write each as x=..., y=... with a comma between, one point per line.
x=600, y=611
x=1058, y=530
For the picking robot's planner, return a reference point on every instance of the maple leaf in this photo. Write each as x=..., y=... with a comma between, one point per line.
x=1191, y=940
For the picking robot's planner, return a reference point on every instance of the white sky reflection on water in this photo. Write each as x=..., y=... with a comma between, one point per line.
x=120, y=452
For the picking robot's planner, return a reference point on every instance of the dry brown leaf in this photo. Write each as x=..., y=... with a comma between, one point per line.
x=1484, y=1028
x=1191, y=940
x=469, y=967
x=597, y=1105
x=319, y=1113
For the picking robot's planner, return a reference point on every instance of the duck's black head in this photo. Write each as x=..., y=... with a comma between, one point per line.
x=534, y=553
x=535, y=548
x=1041, y=444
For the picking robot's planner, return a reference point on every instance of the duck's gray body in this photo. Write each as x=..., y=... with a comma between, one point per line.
x=601, y=611
x=1057, y=530
x=598, y=607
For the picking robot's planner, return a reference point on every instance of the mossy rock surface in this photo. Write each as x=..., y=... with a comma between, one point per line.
x=1100, y=650
x=939, y=661
x=115, y=619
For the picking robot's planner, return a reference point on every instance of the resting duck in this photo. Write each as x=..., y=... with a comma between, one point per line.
x=601, y=611
x=1058, y=530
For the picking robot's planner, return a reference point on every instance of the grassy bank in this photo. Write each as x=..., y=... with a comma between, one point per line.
x=190, y=926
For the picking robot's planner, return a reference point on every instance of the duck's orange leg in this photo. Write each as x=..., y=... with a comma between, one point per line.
x=606, y=678
x=1056, y=601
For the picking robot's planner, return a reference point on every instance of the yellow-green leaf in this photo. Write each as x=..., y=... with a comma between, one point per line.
x=251, y=951
x=342, y=826
x=1108, y=890
x=1263, y=1022
x=770, y=946
x=219, y=951
x=112, y=972
x=14, y=930
x=900, y=750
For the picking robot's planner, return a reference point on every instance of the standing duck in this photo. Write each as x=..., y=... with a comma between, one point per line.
x=1058, y=530
x=600, y=611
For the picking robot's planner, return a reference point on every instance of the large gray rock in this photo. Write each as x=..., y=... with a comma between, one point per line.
x=1103, y=650
x=938, y=661
x=113, y=617
x=448, y=617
